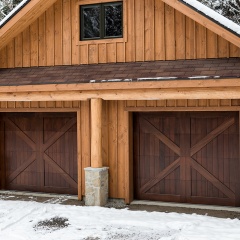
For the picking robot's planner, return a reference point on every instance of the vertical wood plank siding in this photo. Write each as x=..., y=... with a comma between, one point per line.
x=183, y=104
x=115, y=131
x=155, y=31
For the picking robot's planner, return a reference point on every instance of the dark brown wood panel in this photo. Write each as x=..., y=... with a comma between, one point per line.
x=187, y=157
x=40, y=152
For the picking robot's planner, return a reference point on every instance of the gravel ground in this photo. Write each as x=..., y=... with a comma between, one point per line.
x=119, y=204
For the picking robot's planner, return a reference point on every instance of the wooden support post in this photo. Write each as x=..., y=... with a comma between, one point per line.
x=96, y=133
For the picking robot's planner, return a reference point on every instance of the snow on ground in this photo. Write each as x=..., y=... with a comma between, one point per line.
x=22, y=220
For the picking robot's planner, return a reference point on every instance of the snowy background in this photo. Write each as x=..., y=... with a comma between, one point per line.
x=215, y=15
x=227, y=8
x=24, y=220
x=8, y=8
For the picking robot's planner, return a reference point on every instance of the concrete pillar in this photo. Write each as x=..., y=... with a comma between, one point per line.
x=96, y=176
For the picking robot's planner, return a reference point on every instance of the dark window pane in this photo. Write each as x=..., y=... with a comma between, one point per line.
x=91, y=19
x=113, y=20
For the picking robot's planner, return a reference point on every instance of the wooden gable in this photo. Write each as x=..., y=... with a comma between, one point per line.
x=205, y=21
x=22, y=19
x=153, y=31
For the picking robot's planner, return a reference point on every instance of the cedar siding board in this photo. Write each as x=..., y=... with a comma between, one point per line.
x=173, y=36
x=21, y=20
x=166, y=62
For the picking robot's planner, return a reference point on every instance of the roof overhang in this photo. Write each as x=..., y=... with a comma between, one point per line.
x=149, y=90
x=27, y=15
x=204, y=20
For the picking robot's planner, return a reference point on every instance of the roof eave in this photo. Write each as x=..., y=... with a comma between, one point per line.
x=149, y=90
x=150, y=84
x=23, y=19
x=204, y=20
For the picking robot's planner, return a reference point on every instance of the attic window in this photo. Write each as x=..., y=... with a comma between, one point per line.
x=101, y=21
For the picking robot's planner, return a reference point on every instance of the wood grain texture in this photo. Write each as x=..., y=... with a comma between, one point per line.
x=116, y=129
x=201, y=171
x=96, y=133
x=23, y=19
x=86, y=137
x=153, y=30
x=35, y=147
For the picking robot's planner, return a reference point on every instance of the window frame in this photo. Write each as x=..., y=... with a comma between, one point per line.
x=101, y=40
x=102, y=29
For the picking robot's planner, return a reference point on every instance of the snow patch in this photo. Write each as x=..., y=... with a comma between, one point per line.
x=156, y=78
x=20, y=220
x=114, y=80
x=198, y=77
x=214, y=15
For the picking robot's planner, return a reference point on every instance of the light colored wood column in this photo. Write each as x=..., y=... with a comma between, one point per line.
x=96, y=133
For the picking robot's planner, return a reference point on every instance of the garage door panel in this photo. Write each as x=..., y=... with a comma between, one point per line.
x=204, y=188
x=53, y=125
x=220, y=158
x=168, y=126
x=163, y=135
x=215, y=181
x=154, y=168
x=162, y=175
x=53, y=178
x=25, y=128
x=169, y=185
x=216, y=201
x=206, y=146
x=202, y=127
x=64, y=152
x=26, y=166
x=61, y=171
x=40, y=152
x=27, y=177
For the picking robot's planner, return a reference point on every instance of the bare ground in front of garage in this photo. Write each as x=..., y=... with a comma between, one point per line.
x=118, y=204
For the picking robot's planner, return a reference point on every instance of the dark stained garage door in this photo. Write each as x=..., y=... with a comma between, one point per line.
x=187, y=157
x=39, y=152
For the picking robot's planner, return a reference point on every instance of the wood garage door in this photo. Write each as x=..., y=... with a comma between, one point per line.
x=187, y=157
x=39, y=152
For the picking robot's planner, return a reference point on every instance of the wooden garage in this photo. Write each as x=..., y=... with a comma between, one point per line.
x=40, y=151
x=187, y=157
x=156, y=104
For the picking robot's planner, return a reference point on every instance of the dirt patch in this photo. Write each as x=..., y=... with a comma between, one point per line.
x=207, y=212
x=52, y=224
x=92, y=238
x=61, y=199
